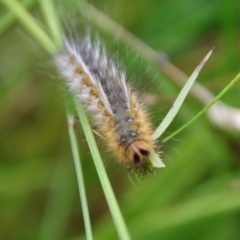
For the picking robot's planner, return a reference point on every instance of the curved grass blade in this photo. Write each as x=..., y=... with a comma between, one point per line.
x=225, y=90
x=178, y=102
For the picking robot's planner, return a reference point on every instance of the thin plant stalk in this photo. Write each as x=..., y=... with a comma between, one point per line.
x=107, y=189
x=51, y=20
x=224, y=91
x=79, y=172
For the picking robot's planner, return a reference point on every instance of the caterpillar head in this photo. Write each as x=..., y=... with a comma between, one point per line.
x=137, y=154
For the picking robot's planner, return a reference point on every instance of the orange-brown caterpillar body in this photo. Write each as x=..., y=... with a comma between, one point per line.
x=101, y=86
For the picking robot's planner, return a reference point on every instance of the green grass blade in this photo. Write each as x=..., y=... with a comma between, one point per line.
x=52, y=21
x=178, y=102
x=79, y=172
x=156, y=160
x=107, y=189
x=225, y=90
x=9, y=18
x=31, y=25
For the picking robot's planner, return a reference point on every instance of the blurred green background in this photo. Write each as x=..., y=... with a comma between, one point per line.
x=196, y=196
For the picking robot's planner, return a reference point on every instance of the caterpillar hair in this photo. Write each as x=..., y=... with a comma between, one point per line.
x=99, y=82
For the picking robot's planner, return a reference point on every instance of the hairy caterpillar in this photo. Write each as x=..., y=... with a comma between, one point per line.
x=100, y=84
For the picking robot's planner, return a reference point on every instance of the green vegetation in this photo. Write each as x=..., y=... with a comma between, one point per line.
x=196, y=196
